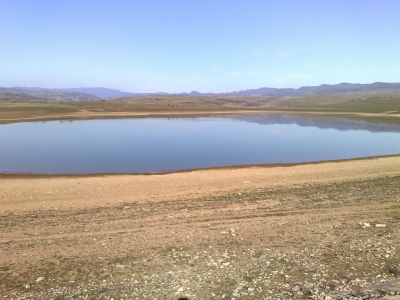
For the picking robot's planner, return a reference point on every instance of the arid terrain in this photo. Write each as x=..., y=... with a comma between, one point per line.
x=384, y=108
x=327, y=230
x=199, y=150
x=277, y=232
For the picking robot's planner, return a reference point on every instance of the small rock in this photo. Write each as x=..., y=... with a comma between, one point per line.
x=380, y=225
x=296, y=288
x=235, y=294
x=40, y=279
x=365, y=225
x=233, y=232
x=119, y=266
x=181, y=289
x=27, y=286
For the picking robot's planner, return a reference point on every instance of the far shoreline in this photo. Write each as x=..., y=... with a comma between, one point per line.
x=81, y=116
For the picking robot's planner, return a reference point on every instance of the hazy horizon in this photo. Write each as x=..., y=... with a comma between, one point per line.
x=177, y=92
x=181, y=46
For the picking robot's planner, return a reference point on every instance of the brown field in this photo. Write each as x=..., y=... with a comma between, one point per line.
x=305, y=231
x=375, y=106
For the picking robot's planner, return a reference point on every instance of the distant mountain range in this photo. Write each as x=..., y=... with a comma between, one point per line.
x=327, y=89
x=41, y=94
x=99, y=93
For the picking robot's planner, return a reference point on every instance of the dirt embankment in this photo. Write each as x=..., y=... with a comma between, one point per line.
x=279, y=232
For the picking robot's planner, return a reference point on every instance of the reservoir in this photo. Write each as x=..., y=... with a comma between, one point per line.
x=142, y=145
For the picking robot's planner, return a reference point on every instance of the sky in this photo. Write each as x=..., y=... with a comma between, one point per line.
x=191, y=45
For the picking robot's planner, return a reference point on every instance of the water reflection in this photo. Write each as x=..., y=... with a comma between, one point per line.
x=323, y=122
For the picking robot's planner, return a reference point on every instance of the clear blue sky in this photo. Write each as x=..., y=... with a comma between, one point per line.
x=208, y=45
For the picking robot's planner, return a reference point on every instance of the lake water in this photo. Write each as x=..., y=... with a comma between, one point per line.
x=168, y=144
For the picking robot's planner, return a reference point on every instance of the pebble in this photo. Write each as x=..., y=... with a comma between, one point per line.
x=380, y=225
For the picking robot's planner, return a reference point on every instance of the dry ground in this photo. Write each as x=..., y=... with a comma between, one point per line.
x=384, y=107
x=279, y=232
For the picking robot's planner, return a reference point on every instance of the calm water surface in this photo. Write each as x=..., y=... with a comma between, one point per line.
x=162, y=144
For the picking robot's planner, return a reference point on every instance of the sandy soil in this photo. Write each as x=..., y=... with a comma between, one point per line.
x=274, y=232
x=29, y=192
